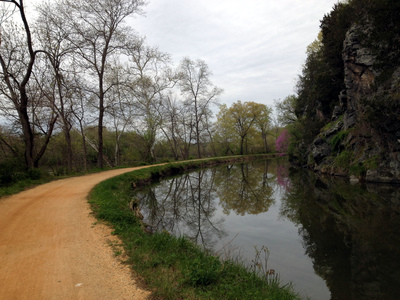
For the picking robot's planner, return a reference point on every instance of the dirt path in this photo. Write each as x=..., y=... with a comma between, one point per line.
x=50, y=249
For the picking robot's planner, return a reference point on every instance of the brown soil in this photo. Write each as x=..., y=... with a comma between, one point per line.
x=50, y=247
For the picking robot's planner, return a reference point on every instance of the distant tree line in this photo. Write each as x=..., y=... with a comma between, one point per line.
x=80, y=88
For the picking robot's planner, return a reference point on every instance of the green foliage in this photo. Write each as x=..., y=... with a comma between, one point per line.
x=343, y=159
x=361, y=168
x=331, y=125
x=286, y=110
x=244, y=127
x=34, y=174
x=337, y=140
x=302, y=133
x=334, y=27
x=13, y=171
x=10, y=172
x=314, y=88
x=357, y=169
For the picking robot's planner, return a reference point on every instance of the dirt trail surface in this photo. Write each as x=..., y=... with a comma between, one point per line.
x=51, y=249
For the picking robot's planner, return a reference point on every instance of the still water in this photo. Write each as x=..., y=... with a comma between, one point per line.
x=330, y=239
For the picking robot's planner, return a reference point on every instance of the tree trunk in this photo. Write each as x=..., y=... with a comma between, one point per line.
x=27, y=130
x=85, y=165
x=100, y=135
x=46, y=142
x=241, y=145
x=264, y=137
x=67, y=137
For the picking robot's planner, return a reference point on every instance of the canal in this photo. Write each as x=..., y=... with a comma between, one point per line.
x=330, y=239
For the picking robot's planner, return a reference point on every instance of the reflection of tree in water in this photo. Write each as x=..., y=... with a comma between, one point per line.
x=351, y=234
x=282, y=177
x=184, y=205
x=245, y=188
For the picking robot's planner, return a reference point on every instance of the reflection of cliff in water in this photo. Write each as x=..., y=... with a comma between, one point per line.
x=351, y=233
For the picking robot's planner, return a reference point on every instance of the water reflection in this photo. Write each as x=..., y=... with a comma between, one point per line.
x=244, y=189
x=351, y=233
x=331, y=239
x=184, y=205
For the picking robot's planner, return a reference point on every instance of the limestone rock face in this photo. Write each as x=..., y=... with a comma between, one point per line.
x=363, y=136
x=358, y=68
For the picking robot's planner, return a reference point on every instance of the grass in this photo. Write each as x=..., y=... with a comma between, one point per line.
x=23, y=185
x=173, y=267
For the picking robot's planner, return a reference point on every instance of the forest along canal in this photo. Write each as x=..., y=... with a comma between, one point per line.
x=332, y=240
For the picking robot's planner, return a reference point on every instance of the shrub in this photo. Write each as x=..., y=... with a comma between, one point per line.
x=10, y=172
x=343, y=159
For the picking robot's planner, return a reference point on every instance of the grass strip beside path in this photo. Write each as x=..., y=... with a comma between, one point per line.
x=173, y=267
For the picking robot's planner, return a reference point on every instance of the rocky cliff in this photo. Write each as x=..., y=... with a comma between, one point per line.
x=362, y=139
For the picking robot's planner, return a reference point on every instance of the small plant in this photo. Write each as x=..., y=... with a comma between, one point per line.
x=260, y=265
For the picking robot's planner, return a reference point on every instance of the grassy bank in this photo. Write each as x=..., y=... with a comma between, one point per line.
x=173, y=267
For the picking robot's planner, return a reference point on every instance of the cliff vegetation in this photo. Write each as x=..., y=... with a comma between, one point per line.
x=344, y=119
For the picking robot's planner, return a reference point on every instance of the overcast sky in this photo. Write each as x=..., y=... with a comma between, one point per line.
x=255, y=48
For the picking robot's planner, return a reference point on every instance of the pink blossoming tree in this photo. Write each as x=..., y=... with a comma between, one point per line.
x=282, y=143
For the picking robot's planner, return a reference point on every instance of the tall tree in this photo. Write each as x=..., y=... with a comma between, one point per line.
x=198, y=92
x=243, y=116
x=151, y=77
x=98, y=32
x=262, y=121
x=120, y=104
x=17, y=59
x=240, y=121
x=225, y=134
x=53, y=38
x=286, y=110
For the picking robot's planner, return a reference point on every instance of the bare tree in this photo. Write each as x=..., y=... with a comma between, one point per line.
x=53, y=37
x=17, y=60
x=98, y=32
x=152, y=76
x=177, y=125
x=199, y=93
x=120, y=104
x=170, y=109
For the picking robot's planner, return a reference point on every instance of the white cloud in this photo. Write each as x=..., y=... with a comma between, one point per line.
x=255, y=48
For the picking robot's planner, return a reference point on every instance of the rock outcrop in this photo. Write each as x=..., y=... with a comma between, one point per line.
x=363, y=137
